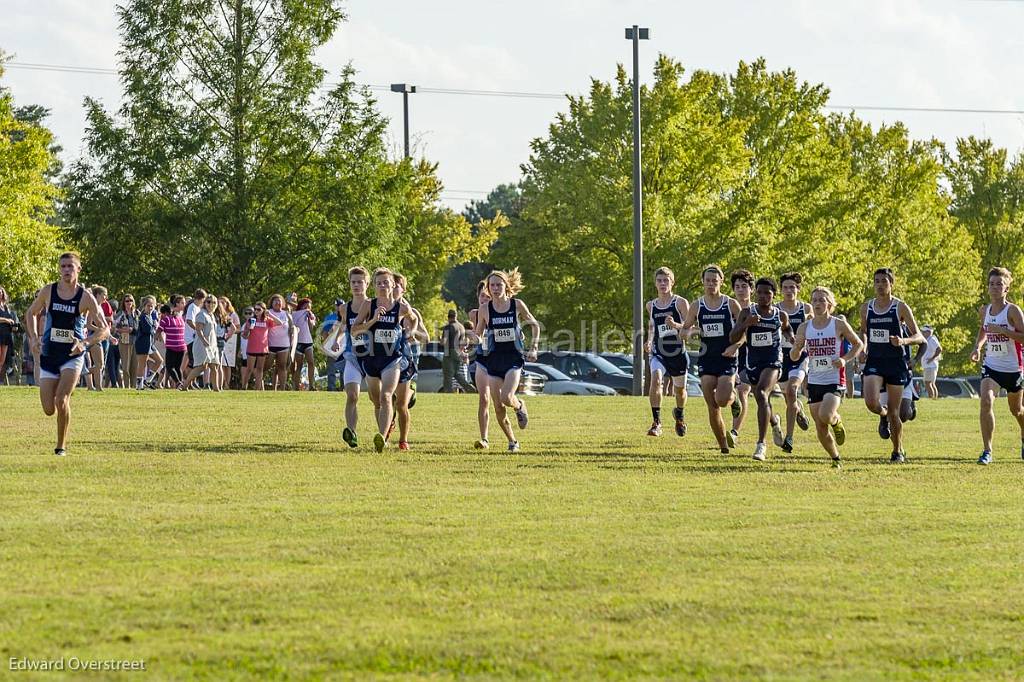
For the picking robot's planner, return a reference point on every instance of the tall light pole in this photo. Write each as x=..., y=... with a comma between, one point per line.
x=405, y=90
x=636, y=34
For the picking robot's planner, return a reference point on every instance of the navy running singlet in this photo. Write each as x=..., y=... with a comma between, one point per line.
x=715, y=325
x=667, y=343
x=764, y=339
x=64, y=325
x=503, y=333
x=880, y=327
x=386, y=335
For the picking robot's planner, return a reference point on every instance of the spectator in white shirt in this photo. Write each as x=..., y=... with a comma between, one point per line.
x=930, y=360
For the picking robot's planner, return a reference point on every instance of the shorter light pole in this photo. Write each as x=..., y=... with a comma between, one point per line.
x=405, y=90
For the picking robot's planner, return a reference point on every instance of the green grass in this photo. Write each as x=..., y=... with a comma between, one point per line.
x=233, y=536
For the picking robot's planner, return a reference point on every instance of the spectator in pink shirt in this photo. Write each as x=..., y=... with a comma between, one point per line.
x=256, y=331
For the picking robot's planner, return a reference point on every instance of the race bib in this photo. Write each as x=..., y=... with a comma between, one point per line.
x=62, y=335
x=710, y=329
x=821, y=364
x=665, y=330
x=997, y=349
x=504, y=335
x=385, y=335
x=879, y=336
x=360, y=341
x=761, y=339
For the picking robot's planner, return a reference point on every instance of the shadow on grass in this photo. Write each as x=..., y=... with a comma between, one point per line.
x=225, y=448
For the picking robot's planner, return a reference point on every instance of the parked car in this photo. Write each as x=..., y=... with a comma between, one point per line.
x=949, y=387
x=975, y=382
x=589, y=367
x=431, y=376
x=559, y=383
x=623, y=361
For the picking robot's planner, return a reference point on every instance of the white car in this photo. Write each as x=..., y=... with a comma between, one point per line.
x=560, y=383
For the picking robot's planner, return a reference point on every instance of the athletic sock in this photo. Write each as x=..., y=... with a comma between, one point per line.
x=677, y=413
x=656, y=413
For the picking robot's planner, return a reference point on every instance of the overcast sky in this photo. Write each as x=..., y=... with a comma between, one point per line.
x=951, y=54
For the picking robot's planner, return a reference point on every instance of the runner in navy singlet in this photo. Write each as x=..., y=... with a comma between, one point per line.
x=69, y=310
x=666, y=350
x=712, y=317
x=742, y=282
x=885, y=365
x=763, y=326
x=502, y=353
x=385, y=362
x=793, y=371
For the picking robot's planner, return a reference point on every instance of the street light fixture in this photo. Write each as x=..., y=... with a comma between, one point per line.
x=636, y=34
x=405, y=90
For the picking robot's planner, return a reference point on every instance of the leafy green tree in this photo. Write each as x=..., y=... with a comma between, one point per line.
x=987, y=191
x=746, y=170
x=504, y=201
x=987, y=201
x=234, y=164
x=29, y=242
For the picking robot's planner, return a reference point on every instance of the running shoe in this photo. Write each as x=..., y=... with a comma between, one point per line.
x=730, y=439
x=655, y=429
x=412, y=398
x=521, y=415
x=735, y=408
x=350, y=438
x=787, y=444
x=898, y=458
x=777, y=436
x=724, y=451
x=680, y=422
x=839, y=432
x=403, y=445
x=379, y=442
x=837, y=463
x=801, y=416
x=760, y=452
x=735, y=435
x=883, y=427
x=481, y=444
x=986, y=457
x=60, y=452
x=913, y=410
x=513, y=446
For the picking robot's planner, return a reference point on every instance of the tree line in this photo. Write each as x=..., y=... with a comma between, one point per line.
x=237, y=163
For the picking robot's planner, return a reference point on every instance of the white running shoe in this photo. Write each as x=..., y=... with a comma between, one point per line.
x=777, y=436
x=760, y=452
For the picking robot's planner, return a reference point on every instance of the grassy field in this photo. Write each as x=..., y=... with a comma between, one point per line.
x=233, y=536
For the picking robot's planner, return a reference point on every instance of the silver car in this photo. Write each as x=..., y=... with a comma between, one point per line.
x=559, y=383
